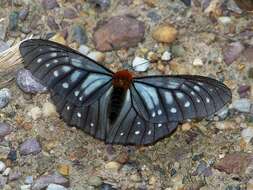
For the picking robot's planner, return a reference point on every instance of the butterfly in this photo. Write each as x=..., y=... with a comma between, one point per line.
x=119, y=108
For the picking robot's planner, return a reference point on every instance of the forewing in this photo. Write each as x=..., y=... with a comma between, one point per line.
x=131, y=129
x=73, y=76
x=178, y=98
x=80, y=88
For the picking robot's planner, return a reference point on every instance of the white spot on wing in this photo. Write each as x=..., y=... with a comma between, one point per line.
x=159, y=124
x=39, y=60
x=79, y=114
x=187, y=104
x=138, y=123
x=76, y=93
x=55, y=61
x=47, y=65
x=137, y=132
x=193, y=93
x=121, y=134
x=196, y=88
x=153, y=114
x=68, y=108
x=173, y=110
x=91, y=124
x=53, y=54
x=207, y=100
x=56, y=73
x=198, y=100
x=159, y=112
x=179, y=95
x=65, y=85
x=149, y=132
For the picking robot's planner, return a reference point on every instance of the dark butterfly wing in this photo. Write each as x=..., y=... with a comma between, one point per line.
x=80, y=88
x=131, y=128
x=178, y=98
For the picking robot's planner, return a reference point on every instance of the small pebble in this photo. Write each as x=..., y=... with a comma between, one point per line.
x=29, y=180
x=27, y=82
x=55, y=187
x=14, y=175
x=97, y=56
x=59, y=38
x=197, y=62
x=49, y=109
x=232, y=52
x=35, y=113
x=140, y=64
x=63, y=169
x=95, y=181
x=106, y=186
x=224, y=20
x=186, y=127
x=166, y=56
x=49, y=4
x=6, y=172
x=3, y=181
x=84, y=49
x=13, y=20
x=102, y=4
x=43, y=181
x=70, y=13
x=112, y=166
x=5, y=129
x=30, y=146
x=165, y=33
x=250, y=184
x=250, y=73
x=79, y=34
x=3, y=46
x=25, y=187
x=12, y=155
x=2, y=166
x=242, y=105
x=247, y=134
x=5, y=96
x=23, y=13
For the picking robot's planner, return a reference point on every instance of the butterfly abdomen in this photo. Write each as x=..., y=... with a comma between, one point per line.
x=121, y=83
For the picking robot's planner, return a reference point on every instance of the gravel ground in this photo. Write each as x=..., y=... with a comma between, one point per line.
x=212, y=38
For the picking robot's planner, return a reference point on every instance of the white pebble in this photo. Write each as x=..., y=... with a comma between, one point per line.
x=2, y=166
x=55, y=187
x=197, y=62
x=48, y=109
x=166, y=56
x=6, y=172
x=35, y=113
x=224, y=20
x=97, y=56
x=247, y=134
x=140, y=64
x=242, y=105
x=84, y=49
x=25, y=187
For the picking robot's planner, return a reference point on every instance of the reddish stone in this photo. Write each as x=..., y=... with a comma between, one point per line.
x=118, y=32
x=234, y=163
x=232, y=52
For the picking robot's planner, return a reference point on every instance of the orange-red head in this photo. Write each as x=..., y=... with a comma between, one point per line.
x=122, y=79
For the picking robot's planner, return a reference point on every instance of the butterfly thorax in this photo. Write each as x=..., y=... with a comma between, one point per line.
x=122, y=79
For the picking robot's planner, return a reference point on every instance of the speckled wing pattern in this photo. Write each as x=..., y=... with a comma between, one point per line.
x=153, y=106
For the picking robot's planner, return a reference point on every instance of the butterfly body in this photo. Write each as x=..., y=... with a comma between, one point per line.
x=119, y=108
